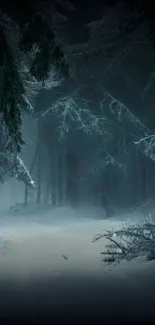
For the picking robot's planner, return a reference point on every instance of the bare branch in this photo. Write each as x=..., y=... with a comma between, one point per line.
x=139, y=239
x=147, y=144
x=76, y=110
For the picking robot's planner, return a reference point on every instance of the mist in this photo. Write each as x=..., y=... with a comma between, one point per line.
x=77, y=162
x=49, y=268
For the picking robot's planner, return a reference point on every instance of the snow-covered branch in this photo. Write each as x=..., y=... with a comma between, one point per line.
x=108, y=160
x=33, y=86
x=71, y=110
x=129, y=242
x=147, y=144
x=21, y=173
x=13, y=166
x=120, y=110
x=147, y=140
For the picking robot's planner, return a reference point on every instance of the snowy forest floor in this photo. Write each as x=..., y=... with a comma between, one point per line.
x=37, y=282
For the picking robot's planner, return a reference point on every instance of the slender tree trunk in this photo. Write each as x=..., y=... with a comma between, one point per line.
x=47, y=192
x=144, y=183
x=53, y=178
x=60, y=177
x=64, y=175
x=39, y=178
x=47, y=187
x=31, y=170
x=26, y=195
x=39, y=164
x=56, y=172
x=72, y=173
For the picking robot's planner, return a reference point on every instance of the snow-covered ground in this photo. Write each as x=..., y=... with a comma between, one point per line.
x=36, y=244
x=34, y=272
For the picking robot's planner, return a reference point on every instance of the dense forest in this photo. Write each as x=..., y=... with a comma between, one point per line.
x=77, y=162
x=77, y=101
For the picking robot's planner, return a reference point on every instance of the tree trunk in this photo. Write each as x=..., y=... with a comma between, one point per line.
x=144, y=195
x=53, y=177
x=47, y=190
x=39, y=178
x=31, y=170
x=72, y=188
x=64, y=174
x=26, y=195
x=38, y=199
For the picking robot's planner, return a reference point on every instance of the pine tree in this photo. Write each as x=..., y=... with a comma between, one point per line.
x=27, y=38
x=30, y=54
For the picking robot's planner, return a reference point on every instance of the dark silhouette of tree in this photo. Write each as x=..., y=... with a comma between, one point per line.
x=30, y=48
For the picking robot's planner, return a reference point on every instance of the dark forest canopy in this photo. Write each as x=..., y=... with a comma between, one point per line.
x=100, y=47
x=29, y=49
x=28, y=35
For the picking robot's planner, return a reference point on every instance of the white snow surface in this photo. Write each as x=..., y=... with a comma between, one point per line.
x=36, y=248
x=34, y=245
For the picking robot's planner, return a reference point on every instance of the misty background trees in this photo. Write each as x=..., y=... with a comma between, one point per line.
x=90, y=80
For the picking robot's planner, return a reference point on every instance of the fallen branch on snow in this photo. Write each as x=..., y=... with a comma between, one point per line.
x=129, y=242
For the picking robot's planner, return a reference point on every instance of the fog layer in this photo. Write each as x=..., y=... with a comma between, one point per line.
x=54, y=271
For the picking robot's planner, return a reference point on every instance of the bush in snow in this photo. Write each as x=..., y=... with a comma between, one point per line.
x=129, y=242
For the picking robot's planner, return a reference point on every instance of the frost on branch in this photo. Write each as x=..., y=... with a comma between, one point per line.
x=147, y=144
x=33, y=86
x=10, y=163
x=129, y=242
x=22, y=173
x=122, y=112
x=71, y=111
x=108, y=160
x=25, y=62
x=13, y=166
